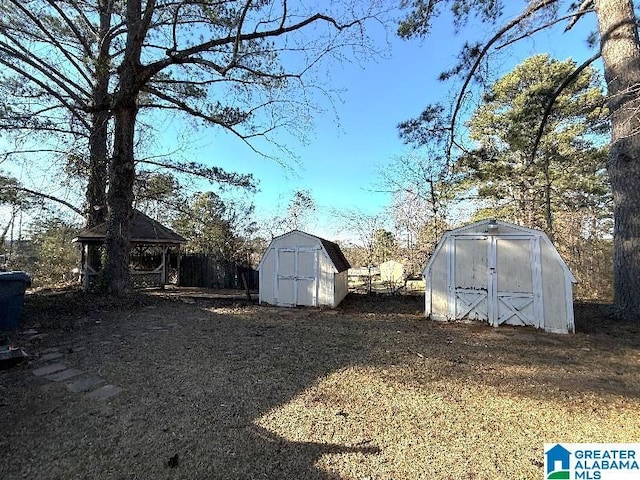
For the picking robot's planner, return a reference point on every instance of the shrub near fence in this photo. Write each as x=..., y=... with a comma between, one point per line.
x=207, y=271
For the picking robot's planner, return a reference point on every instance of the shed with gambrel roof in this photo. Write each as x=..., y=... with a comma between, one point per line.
x=155, y=252
x=302, y=269
x=500, y=273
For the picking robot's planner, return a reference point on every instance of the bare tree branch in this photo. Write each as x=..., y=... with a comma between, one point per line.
x=181, y=56
x=52, y=39
x=47, y=197
x=574, y=17
x=585, y=7
x=541, y=4
x=213, y=174
x=72, y=108
x=73, y=26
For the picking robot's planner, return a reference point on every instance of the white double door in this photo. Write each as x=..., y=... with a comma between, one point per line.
x=297, y=276
x=495, y=279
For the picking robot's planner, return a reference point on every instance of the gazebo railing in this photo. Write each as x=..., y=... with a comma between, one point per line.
x=139, y=278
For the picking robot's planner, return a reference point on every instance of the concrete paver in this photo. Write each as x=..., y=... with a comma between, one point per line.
x=105, y=392
x=78, y=381
x=49, y=369
x=85, y=384
x=64, y=375
x=51, y=356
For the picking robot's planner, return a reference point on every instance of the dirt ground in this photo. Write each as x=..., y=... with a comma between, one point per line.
x=221, y=388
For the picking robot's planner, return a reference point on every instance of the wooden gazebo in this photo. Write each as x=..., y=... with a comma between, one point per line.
x=155, y=252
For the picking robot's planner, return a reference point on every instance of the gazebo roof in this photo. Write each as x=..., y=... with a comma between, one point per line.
x=143, y=230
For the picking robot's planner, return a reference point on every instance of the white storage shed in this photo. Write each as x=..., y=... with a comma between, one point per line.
x=301, y=269
x=500, y=273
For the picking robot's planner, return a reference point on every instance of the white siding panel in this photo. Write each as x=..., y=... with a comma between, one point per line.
x=439, y=286
x=341, y=287
x=470, y=263
x=553, y=293
x=515, y=272
x=325, y=286
x=267, y=276
x=515, y=299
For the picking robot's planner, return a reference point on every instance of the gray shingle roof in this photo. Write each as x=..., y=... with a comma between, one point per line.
x=143, y=230
x=337, y=257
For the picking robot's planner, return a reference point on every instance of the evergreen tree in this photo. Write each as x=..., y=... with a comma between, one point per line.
x=568, y=170
x=212, y=226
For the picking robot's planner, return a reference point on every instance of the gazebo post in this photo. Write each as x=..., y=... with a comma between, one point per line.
x=83, y=267
x=163, y=278
x=178, y=280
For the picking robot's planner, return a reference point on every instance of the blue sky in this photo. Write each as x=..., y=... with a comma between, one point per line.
x=340, y=162
x=356, y=135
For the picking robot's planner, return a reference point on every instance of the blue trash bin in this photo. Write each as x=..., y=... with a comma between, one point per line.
x=12, y=288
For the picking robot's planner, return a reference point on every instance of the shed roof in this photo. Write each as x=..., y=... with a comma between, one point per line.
x=511, y=229
x=334, y=252
x=143, y=230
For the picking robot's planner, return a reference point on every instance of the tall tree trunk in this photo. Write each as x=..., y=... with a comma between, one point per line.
x=3, y=234
x=620, y=49
x=120, y=199
x=96, y=194
x=122, y=166
x=548, y=213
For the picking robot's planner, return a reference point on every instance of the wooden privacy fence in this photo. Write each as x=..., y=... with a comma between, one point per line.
x=207, y=271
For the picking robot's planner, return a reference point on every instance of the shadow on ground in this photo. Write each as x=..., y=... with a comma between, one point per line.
x=198, y=374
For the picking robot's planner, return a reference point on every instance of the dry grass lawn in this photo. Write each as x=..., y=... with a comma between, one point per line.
x=370, y=391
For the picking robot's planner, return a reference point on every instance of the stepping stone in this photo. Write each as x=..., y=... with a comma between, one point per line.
x=105, y=392
x=51, y=356
x=64, y=375
x=37, y=336
x=49, y=369
x=51, y=350
x=85, y=384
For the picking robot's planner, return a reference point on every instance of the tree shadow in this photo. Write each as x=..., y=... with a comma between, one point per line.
x=382, y=303
x=199, y=377
x=196, y=376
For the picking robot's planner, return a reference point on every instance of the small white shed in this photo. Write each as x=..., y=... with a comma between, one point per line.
x=500, y=273
x=301, y=269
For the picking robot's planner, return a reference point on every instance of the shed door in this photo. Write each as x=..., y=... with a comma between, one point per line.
x=495, y=279
x=470, y=287
x=296, y=276
x=516, y=263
